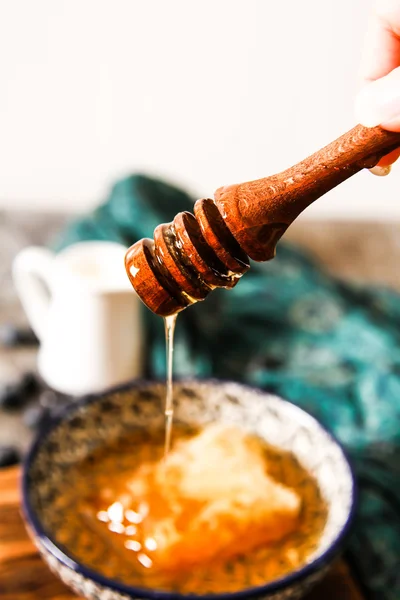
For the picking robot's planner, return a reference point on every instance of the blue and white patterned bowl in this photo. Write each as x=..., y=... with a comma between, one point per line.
x=92, y=421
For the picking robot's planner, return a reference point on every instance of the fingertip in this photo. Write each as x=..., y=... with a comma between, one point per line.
x=390, y=158
x=378, y=102
x=380, y=171
x=365, y=109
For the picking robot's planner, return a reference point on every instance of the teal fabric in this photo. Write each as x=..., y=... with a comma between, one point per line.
x=331, y=348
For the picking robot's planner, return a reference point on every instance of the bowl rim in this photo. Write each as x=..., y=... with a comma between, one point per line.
x=56, y=550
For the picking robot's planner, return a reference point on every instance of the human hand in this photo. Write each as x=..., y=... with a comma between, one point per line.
x=378, y=101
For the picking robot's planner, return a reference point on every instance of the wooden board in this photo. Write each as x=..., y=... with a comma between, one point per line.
x=24, y=576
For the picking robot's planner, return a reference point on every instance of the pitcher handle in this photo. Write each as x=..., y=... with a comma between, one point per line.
x=31, y=275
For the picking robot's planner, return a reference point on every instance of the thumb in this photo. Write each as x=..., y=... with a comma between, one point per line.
x=378, y=102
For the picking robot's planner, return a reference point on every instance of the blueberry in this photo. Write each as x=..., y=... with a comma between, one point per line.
x=11, y=396
x=11, y=336
x=15, y=395
x=8, y=335
x=26, y=337
x=29, y=383
x=9, y=455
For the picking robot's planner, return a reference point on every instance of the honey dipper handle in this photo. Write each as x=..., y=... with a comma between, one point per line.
x=258, y=212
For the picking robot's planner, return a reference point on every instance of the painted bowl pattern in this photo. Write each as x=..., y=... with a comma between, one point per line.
x=98, y=419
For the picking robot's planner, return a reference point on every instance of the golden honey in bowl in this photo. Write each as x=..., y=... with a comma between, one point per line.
x=224, y=512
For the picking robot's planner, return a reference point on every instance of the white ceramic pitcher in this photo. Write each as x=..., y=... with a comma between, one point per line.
x=85, y=313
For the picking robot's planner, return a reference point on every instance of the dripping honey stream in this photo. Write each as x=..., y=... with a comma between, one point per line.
x=169, y=324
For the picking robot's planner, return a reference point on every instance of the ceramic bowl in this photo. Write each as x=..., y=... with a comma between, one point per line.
x=94, y=420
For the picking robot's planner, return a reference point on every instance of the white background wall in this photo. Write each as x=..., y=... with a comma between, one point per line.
x=203, y=92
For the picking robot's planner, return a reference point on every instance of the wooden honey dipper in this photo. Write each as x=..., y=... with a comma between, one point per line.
x=197, y=253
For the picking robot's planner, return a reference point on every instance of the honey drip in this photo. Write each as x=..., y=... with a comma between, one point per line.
x=169, y=323
x=128, y=521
